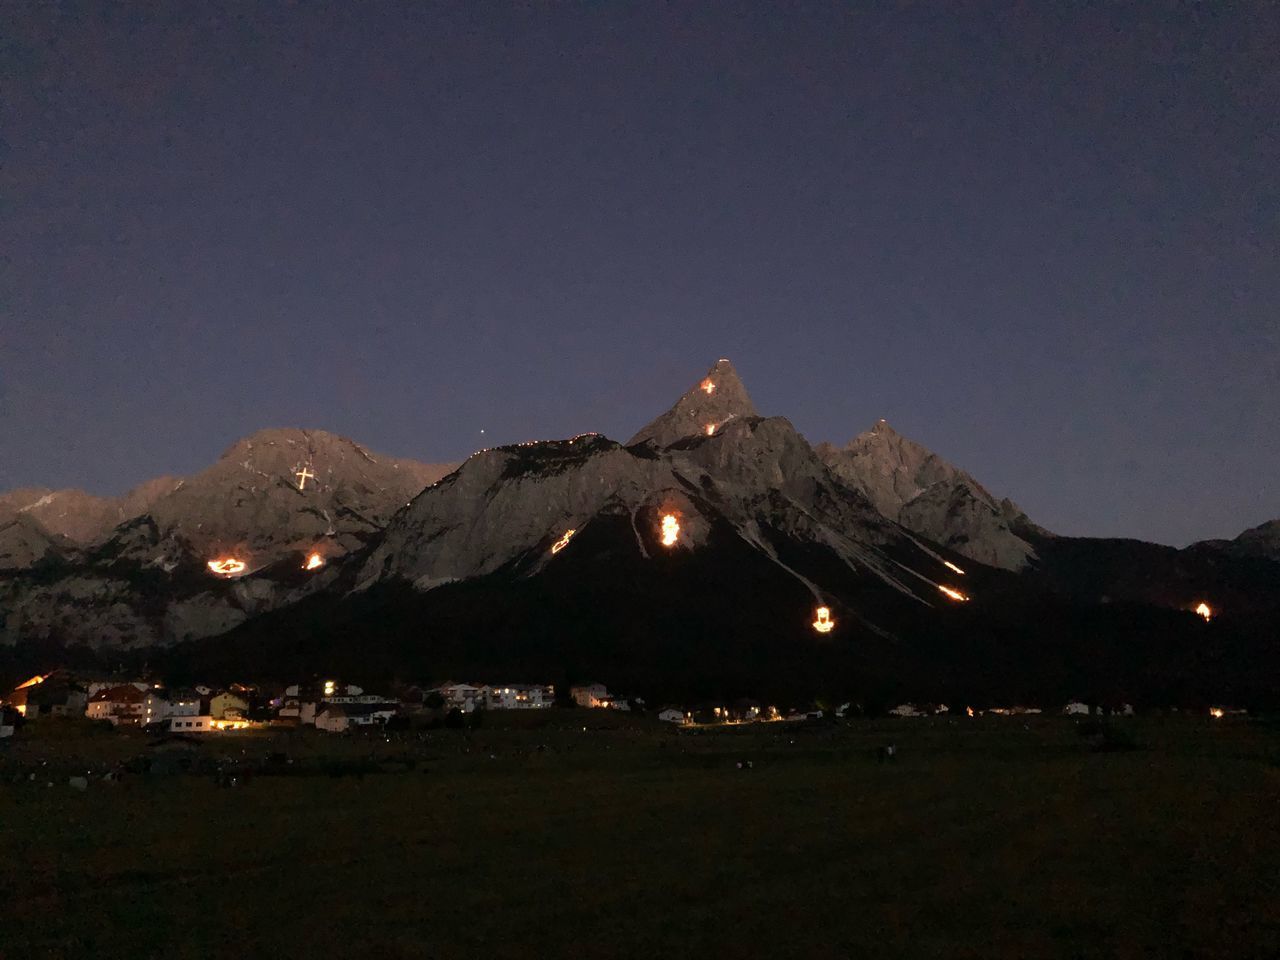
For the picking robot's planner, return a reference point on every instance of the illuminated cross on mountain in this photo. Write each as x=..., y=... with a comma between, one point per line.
x=303, y=476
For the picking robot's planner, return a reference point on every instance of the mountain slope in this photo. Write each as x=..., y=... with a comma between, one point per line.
x=80, y=517
x=917, y=488
x=281, y=491
x=149, y=582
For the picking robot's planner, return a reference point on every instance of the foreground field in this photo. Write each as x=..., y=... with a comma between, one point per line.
x=988, y=838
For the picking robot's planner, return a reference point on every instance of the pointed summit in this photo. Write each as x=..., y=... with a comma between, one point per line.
x=708, y=405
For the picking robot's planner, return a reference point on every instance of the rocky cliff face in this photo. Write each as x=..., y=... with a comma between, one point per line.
x=279, y=492
x=24, y=542
x=676, y=487
x=269, y=501
x=705, y=409
x=931, y=497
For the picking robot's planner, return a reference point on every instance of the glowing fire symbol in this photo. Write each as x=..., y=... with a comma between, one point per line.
x=303, y=476
x=563, y=541
x=1205, y=611
x=953, y=593
x=711, y=429
x=670, y=530
x=228, y=567
x=708, y=386
x=824, y=623
x=314, y=561
x=951, y=566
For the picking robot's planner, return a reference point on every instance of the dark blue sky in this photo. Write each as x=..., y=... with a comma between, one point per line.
x=1044, y=242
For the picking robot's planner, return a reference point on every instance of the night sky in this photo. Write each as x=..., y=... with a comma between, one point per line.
x=1044, y=243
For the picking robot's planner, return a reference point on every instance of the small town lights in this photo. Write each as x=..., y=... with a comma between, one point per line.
x=227, y=566
x=329, y=686
x=951, y=566
x=670, y=530
x=823, y=623
x=563, y=541
x=1216, y=712
x=1204, y=610
x=708, y=386
x=314, y=562
x=953, y=593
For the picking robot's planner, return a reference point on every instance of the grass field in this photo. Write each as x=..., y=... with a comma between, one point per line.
x=987, y=838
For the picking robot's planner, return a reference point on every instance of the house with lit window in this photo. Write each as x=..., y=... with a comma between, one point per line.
x=226, y=704
x=519, y=696
x=122, y=705
x=591, y=695
x=55, y=694
x=184, y=702
x=341, y=717
x=462, y=696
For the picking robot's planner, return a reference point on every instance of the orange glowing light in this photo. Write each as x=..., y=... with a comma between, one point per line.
x=1217, y=713
x=670, y=530
x=228, y=567
x=1205, y=611
x=314, y=562
x=708, y=386
x=824, y=623
x=953, y=593
x=969, y=711
x=563, y=541
x=30, y=683
x=303, y=476
x=951, y=566
x=711, y=429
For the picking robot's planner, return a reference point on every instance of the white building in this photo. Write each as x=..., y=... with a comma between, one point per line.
x=1076, y=709
x=673, y=715
x=519, y=696
x=189, y=724
x=906, y=710
x=156, y=707
x=184, y=704
x=340, y=717
x=591, y=695
x=304, y=711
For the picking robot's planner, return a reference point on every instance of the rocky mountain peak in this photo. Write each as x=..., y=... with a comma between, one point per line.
x=915, y=487
x=713, y=401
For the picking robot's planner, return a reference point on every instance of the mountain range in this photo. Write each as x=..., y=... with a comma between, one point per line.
x=716, y=551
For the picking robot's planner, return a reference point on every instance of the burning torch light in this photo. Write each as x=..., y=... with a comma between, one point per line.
x=951, y=566
x=708, y=386
x=314, y=562
x=670, y=530
x=823, y=623
x=953, y=593
x=968, y=711
x=563, y=541
x=228, y=567
x=1205, y=611
x=1217, y=713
